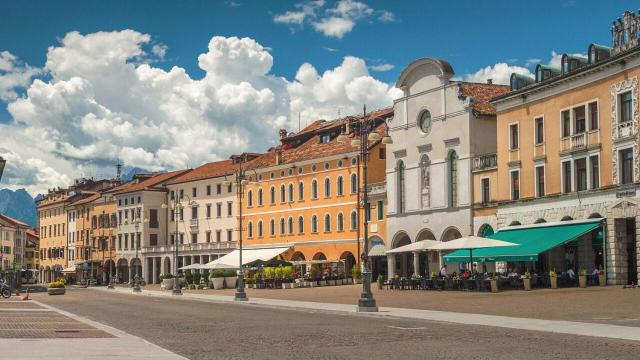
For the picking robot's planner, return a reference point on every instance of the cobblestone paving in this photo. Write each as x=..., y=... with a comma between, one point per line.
x=27, y=320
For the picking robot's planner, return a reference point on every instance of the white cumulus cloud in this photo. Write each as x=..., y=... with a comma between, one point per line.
x=100, y=99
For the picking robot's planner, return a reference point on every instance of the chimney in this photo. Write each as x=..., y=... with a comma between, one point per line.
x=278, y=155
x=283, y=133
x=490, y=81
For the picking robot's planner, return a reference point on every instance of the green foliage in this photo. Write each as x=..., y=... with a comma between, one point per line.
x=167, y=276
x=553, y=273
x=287, y=273
x=229, y=273
x=278, y=272
x=582, y=272
x=189, y=277
x=269, y=273
x=56, y=285
x=314, y=272
x=217, y=274
x=527, y=275
x=356, y=272
x=196, y=278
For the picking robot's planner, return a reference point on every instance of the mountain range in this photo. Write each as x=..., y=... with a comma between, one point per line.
x=19, y=205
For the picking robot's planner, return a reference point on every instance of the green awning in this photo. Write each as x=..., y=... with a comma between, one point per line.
x=531, y=241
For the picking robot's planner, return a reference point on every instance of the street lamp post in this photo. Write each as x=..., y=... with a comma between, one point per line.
x=175, y=206
x=136, y=278
x=2, y=164
x=111, y=262
x=241, y=181
x=365, y=131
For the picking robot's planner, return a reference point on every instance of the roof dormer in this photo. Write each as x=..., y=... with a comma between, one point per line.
x=544, y=72
x=519, y=81
x=572, y=62
x=598, y=53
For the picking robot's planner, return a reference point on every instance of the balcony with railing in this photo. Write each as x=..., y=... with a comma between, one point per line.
x=485, y=162
x=194, y=224
x=190, y=247
x=580, y=141
x=378, y=188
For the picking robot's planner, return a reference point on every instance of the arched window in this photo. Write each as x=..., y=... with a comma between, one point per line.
x=272, y=195
x=260, y=197
x=453, y=178
x=354, y=183
x=425, y=181
x=314, y=224
x=300, y=191
x=283, y=196
x=300, y=225
x=327, y=223
x=260, y=228
x=327, y=187
x=314, y=189
x=250, y=198
x=250, y=230
x=401, y=187
x=272, y=227
x=291, y=193
x=340, y=222
x=290, y=225
x=354, y=220
x=282, y=226
x=340, y=186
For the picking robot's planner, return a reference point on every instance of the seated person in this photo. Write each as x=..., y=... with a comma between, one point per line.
x=571, y=274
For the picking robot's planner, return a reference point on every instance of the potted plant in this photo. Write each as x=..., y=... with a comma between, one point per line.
x=553, y=279
x=314, y=276
x=527, y=281
x=494, y=283
x=189, y=277
x=56, y=288
x=217, y=278
x=582, y=278
x=230, y=278
x=287, y=277
x=356, y=273
x=602, y=280
x=167, y=281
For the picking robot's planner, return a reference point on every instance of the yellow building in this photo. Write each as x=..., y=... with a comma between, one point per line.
x=31, y=257
x=568, y=152
x=53, y=234
x=303, y=194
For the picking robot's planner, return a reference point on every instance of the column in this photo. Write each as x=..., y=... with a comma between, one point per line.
x=416, y=263
x=153, y=270
x=391, y=265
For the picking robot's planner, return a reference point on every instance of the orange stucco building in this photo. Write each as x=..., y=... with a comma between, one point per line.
x=52, y=221
x=304, y=193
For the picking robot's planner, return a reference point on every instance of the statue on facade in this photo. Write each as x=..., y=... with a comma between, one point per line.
x=425, y=181
x=615, y=34
x=629, y=26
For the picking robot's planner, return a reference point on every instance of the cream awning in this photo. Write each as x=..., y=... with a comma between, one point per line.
x=232, y=259
x=422, y=245
x=377, y=250
x=69, y=270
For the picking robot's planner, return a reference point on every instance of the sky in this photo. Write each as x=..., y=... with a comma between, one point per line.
x=172, y=84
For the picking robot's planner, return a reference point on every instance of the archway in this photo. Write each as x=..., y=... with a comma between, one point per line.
x=109, y=271
x=122, y=271
x=166, y=267
x=595, y=216
x=515, y=223
x=136, y=269
x=402, y=262
x=566, y=218
x=349, y=262
x=449, y=234
x=427, y=261
x=377, y=260
x=299, y=256
x=319, y=256
x=540, y=221
x=485, y=230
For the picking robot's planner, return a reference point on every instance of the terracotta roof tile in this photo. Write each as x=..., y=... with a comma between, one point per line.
x=32, y=233
x=207, y=171
x=312, y=148
x=482, y=94
x=14, y=221
x=89, y=197
x=52, y=200
x=148, y=184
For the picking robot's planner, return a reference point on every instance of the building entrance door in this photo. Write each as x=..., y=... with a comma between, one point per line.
x=632, y=256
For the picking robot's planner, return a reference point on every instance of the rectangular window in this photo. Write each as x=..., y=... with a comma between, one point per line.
x=540, y=180
x=593, y=116
x=153, y=219
x=382, y=154
x=380, y=208
x=194, y=238
x=218, y=189
x=513, y=131
x=208, y=211
x=324, y=139
x=595, y=171
x=208, y=236
x=579, y=120
x=566, y=123
x=485, y=191
x=515, y=185
x=626, y=166
x=218, y=209
x=229, y=235
x=218, y=235
x=181, y=214
x=230, y=188
x=566, y=177
x=181, y=238
x=173, y=239
x=539, y=130
x=581, y=174
x=153, y=239
x=181, y=194
x=367, y=211
x=208, y=190
x=626, y=107
x=194, y=212
x=194, y=192
x=229, y=208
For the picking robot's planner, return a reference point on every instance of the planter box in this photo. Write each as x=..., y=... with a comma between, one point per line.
x=167, y=284
x=331, y=282
x=56, y=291
x=527, y=284
x=230, y=282
x=554, y=282
x=602, y=280
x=582, y=280
x=218, y=283
x=288, y=285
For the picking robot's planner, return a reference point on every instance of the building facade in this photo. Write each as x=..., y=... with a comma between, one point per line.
x=52, y=221
x=303, y=194
x=31, y=257
x=568, y=150
x=439, y=128
x=13, y=237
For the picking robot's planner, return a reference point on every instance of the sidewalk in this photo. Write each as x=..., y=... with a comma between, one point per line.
x=37, y=331
x=553, y=326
